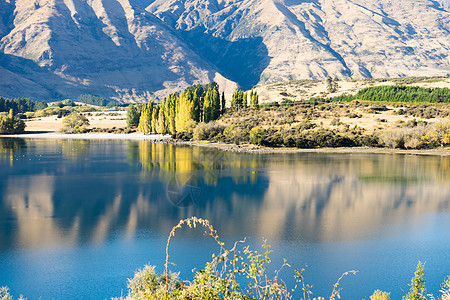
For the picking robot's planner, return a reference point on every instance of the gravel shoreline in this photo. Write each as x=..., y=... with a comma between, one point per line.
x=167, y=139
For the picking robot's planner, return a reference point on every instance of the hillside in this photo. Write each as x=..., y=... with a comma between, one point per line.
x=60, y=49
x=267, y=41
x=297, y=90
x=57, y=49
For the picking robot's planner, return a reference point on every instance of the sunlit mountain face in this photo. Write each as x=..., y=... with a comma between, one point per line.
x=136, y=50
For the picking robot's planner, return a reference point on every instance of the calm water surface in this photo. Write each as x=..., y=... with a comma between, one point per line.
x=79, y=217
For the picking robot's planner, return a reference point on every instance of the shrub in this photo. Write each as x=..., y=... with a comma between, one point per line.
x=393, y=138
x=54, y=111
x=75, y=123
x=415, y=137
x=85, y=108
x=147, y=284
x=305, y=126
x=257, y=135
x=371, y=140
x=335, y=122
x=439, y=134
x=210, y=131
x=236, y=134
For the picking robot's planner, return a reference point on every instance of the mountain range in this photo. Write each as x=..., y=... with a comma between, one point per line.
x=140, y=50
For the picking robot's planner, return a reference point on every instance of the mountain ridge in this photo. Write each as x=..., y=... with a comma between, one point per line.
x=56, y=49
x=315, y=39
x=105, y=47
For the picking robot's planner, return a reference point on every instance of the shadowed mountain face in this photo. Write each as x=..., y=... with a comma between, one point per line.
x=57, y=49
x=295, y=39
x=104, y=47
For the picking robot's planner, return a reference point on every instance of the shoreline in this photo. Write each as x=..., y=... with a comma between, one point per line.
x=249, y=148
x=89, y=136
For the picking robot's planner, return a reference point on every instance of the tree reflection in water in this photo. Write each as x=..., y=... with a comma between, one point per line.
x=137, y=185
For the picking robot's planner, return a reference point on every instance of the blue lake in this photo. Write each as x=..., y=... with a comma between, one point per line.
x=79, y=217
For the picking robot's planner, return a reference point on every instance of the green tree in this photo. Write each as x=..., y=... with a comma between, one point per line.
x=198, y=104
x=223, y=103
x=133, y=115
x=332, y=84
x=237, y=100
x=74, y=123
x=21, y=105
x=215, y=103
x=10, y=124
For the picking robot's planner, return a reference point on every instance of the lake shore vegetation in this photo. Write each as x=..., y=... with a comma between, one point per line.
x=394, y=116
x=308, y=124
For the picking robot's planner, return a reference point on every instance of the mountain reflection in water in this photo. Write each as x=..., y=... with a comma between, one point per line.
x=67, y=192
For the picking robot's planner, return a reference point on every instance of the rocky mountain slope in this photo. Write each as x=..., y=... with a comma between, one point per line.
x=56, y=49
x=267, y=41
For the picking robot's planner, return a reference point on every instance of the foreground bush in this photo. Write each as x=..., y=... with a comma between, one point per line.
x=210, y=131
x=236, y=273
x=242, y=273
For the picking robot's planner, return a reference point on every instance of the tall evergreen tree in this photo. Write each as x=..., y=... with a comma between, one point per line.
x=197, y=105
x=223, y=103
x=215, y=104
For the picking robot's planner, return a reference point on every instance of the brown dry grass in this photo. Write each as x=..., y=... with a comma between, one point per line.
x=96, y=119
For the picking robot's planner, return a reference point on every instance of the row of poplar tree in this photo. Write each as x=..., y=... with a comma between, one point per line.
x=181, y=112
